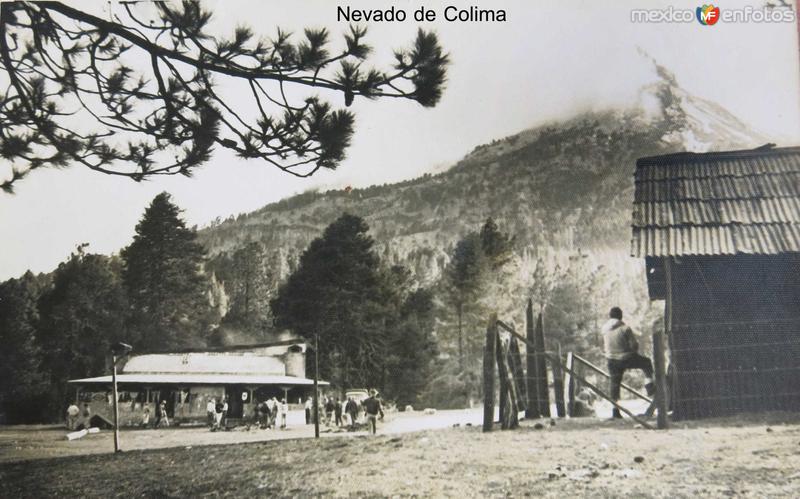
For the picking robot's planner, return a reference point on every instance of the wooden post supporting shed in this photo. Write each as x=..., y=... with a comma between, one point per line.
x=489, y=349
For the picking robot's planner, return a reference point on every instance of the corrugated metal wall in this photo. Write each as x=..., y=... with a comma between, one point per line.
x=735, y=338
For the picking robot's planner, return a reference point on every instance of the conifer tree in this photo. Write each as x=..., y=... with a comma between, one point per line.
x=249, y=279
x=411, y=348
x=335, y=293
x=82, y=314
x=462, y=281
x=21, y=379
x=164, y=278
x=374, y=326
x=497, y=246
x=478, y=259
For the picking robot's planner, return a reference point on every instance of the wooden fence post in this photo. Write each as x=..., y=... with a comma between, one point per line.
x=541, y=366
x=558, y=385
x=503, y=382
x=661, y=379
x=570, y=385
x=505, y=368
x=519, y=375
x=532, y=388
x=488, y=373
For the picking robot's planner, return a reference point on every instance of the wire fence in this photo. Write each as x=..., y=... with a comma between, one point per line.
x=721, y=369
x=714, y=369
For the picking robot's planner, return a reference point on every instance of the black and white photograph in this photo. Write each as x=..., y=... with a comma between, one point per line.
x=399, y=248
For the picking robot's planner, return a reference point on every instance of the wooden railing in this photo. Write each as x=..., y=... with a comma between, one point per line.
x=513, y=383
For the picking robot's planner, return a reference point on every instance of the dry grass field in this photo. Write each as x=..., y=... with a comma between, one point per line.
x=749, y=456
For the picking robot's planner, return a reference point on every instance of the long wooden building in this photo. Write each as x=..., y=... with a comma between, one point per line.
x=720, y=234
x=187, y=380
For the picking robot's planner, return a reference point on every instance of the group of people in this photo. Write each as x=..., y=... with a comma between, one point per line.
x=217, y=414
x=269, y=413
x=77, y=418
x=81, y=418
x=334, y=411
x=162, y=419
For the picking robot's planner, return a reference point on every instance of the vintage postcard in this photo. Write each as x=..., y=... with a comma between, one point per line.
x=399, y=248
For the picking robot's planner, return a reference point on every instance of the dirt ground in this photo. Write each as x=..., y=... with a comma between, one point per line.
x=19, y=443
x=746, y=456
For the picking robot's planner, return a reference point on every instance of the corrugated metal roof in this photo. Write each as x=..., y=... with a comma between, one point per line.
x=721, y=187
x=205, y=363
x=720, y=203
x=199, y=379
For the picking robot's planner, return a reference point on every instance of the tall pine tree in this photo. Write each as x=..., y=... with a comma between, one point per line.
x=336, y=293
x=411, y=348
x=249, y=277
x=81, y=315
x=463, y=278
x=167, y=288
x=375, y=329
x=474, y=274
x=21, y=380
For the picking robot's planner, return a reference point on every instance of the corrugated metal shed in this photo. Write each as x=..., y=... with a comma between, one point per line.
x=720, y=203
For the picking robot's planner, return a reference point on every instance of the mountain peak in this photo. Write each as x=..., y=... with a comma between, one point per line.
x=692, y=123
x=563, y=186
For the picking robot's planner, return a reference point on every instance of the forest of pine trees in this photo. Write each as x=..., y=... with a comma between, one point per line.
x=155, y=295
x=373, y=322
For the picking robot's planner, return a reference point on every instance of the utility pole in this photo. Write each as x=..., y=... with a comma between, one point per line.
x=116, y=408
x=316, y=385
x=121, y=350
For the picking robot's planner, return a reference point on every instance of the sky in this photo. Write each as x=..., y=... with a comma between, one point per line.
x=548, y=61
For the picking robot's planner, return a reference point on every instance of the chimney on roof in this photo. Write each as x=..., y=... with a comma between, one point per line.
x=295, y=361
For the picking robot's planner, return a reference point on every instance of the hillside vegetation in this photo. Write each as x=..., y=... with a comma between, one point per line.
x=564, y=190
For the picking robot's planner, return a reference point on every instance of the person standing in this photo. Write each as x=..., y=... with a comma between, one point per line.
x=217, y=416
x=372, y=408
x=621, y=350
x=352, y=411
x=337, y=409
x=86, y=417
x=266, y=414
x=162, y=412
x=284, y=409
x=211, y=409
x=329, y=407
x=272, y=412
x=146, y=415
x=225, y=412
x=72, y=416
x=308, y=407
